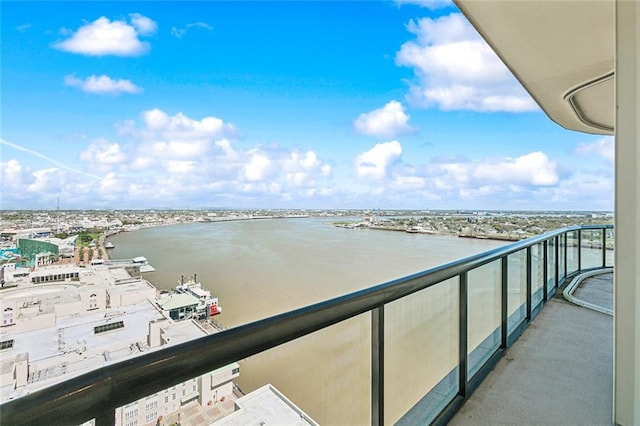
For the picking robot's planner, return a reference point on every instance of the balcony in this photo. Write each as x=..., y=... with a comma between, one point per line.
x=564, y=361
x=424, y=343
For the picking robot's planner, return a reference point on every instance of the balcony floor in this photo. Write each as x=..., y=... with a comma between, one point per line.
x=560, y=370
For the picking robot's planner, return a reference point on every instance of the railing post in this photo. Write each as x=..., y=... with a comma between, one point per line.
x=505, y=296
x=579, y=249
x=566, y=258
x=604, y=247
x=377, y=366
x=105, y=418
x=556, y=266
x=545, y=270
x=462, y=335
x=529, y=286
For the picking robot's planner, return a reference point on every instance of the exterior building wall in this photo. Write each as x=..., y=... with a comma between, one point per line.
x=31, y=248
x=170, y=400
x=627, y=250
x=93, y=299
x=124, y=298
x=68, y=308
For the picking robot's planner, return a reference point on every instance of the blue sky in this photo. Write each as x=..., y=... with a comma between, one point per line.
x=381, y=104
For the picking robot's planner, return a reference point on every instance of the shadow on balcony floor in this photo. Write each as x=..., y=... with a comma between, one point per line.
x=560, y=371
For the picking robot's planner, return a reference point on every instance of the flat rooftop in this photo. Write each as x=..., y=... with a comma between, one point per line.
x=560, y=370
x=265, y=406
x=86, y=340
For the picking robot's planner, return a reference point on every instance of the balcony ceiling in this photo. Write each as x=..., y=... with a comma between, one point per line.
x=561, y=51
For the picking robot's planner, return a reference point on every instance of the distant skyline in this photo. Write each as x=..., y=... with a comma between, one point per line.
x=331, y=105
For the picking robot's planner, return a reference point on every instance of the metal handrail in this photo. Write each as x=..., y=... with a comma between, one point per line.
x=98, y=393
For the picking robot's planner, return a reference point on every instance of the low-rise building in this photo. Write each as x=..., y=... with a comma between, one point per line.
x=62, y=321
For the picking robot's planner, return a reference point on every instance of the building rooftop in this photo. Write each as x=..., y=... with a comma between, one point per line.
x=176, y=301
x=265, y=406
x=71, y=341
x=560, y=370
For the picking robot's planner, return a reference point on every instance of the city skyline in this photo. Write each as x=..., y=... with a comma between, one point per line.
x=277, y=105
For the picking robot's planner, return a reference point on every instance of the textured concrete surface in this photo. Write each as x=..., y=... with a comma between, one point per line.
x=559, y=372
x=597, y=290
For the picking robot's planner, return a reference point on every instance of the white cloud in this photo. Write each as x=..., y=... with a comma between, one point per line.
x=258, y=168
x=528, y=181
x=144, y=25
x=102, y=84
x=47, y=181
x=533, y=169
x=103, y=155
x=190, y=157
x=180, y=32
x=376, y=162
x=386, y=122
x=104, y=37
x=603, y=147
x=13, y=175
x=180, y=127
x=456, y=70
x=302, y=170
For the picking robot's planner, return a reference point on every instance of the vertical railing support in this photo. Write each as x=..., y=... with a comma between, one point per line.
x=529, y=286
x=556, y=263
x=604, y=247
x=566, y=258
x=579, y=250
x=105, y=418
x=377, y=366
x=462, y=334
x=505, y=301
x=545, y=270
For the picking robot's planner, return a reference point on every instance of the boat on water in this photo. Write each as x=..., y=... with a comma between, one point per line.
x=189, y=300
x=109, y=245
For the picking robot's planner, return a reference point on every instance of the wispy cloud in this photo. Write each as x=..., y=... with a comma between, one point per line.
x=102, y=84
x=603, y=147
x=24, y=27
x=180, y=32
x=456, y=70
x=429, y=4
x=104, y=37
x=48, y=159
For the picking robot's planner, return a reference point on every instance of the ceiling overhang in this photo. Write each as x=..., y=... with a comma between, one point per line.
x=562, y=52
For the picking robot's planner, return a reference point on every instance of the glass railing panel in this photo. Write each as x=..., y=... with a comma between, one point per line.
x=517, y=289
x=421, y=354
x=327, y=374
x=572, y=252
x=551, y=265
x=591, y=249
x=561, y=258
x=537, y=275
x=610, y=243
x=484, y=309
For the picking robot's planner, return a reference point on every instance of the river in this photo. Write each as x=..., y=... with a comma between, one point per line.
x=259, y=268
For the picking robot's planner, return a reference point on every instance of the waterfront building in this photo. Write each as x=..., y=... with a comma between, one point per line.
x=62, y=321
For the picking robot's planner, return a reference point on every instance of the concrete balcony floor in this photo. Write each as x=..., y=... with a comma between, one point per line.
x=560, y=370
